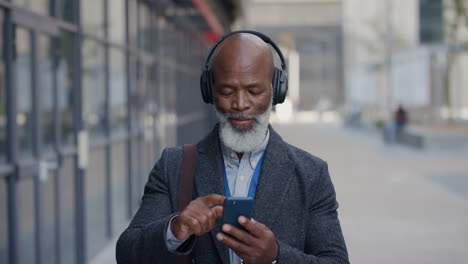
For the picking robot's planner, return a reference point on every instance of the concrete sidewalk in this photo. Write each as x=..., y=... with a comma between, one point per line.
x=397, y=205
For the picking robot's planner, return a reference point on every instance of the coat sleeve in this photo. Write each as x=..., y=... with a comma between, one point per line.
x=144, y=241
x=324, y=239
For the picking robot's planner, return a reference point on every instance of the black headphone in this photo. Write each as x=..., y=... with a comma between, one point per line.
x=280, y=76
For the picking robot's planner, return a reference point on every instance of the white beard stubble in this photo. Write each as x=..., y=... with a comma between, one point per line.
x=239, y=140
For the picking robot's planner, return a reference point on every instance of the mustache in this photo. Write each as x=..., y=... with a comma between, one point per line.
x=241, y=116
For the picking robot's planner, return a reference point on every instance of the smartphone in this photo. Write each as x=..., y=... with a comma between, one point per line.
x=234, y=207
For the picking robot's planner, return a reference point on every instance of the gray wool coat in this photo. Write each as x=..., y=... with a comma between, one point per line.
x=295, y=198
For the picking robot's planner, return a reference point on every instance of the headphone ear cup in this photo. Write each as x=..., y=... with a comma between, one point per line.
x=280, y=86
x=283, y=87
x=275, y=85
x=205, y=87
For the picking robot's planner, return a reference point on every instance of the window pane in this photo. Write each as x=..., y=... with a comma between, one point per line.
x=171, y=72
x=137, y=172
x=67, y=211
x=46, y=95
x=119, y=186
x=151, y=108
x=117, y=21
x=118, y=91
x=135, y=98
x=26, y=221
x=24, y=91
x=47, y=199
x=64, y=10
x=148, y=90
x=38, y=6
x=145, y=28
x=3, y=223
x=92, y=16
x=96, y=224
x=64, y=85
x=93, y=88
x=133, y=22
x=2, y=98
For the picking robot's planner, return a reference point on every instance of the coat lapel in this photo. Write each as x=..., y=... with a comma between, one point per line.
x=274, y=181
x=209, y=180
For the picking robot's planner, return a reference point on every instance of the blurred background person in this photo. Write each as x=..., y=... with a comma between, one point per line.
x=400, y=118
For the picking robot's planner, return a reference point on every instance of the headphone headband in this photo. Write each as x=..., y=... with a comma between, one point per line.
x=256, y=33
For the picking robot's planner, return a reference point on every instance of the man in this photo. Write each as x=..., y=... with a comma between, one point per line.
x=295, y=218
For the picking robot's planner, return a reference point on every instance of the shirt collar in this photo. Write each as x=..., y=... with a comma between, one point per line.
x=230, y=156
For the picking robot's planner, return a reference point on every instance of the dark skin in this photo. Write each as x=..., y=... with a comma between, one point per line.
x=242, y=72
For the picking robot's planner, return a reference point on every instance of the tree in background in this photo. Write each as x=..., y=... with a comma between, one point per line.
x=457, y=22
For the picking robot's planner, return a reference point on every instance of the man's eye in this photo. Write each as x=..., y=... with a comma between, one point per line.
x=255, y=92
x=226, y=92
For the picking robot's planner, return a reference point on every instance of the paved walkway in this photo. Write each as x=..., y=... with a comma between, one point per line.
x=397, y=205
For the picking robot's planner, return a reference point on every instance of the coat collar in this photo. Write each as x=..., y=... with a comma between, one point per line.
x=273, y=183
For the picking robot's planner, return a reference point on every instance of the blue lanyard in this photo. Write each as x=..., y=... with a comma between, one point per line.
x=253, y=181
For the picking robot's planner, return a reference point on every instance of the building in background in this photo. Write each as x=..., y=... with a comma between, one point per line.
x=310, y=34
x=90, y=92
x=404, y=52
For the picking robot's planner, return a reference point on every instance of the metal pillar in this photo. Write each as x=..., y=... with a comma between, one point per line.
x=108, y=147
x=129, y=115
x=80, y=211
x=36, y=143
x=12, y=135
x=56, y=47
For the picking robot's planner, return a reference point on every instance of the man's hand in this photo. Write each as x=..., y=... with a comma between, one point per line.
x=257, y=246
x=198, y=217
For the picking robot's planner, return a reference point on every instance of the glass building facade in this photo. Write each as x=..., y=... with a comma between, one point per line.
x=91, y=91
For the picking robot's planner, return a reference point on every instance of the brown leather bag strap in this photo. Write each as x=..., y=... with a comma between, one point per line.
x=187, y=175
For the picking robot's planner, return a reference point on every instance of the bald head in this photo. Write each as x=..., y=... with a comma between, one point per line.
x=243, y=52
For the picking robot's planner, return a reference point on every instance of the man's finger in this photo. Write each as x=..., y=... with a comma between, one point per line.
x=233, y=244
x=257, y=229
x=205, y=216
x=261, y=225
x=190, y=224
x=213, y=199
x=193, y=224
x=240, y=235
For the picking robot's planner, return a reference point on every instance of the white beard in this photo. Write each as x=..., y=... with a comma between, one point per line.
x=241, y=140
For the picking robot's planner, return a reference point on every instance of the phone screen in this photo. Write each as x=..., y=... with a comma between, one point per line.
x=234, y=207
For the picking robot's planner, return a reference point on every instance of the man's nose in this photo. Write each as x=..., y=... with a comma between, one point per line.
x=241, y=102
